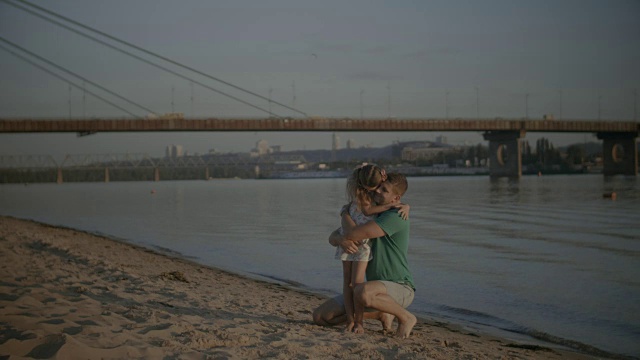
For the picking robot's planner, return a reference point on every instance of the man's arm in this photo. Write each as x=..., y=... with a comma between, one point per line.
x=347, y=223
x=365, y=231
x=350, y=241
x=335, y=238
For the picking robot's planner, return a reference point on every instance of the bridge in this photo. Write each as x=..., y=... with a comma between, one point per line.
x=619, y=137
x=101, y=167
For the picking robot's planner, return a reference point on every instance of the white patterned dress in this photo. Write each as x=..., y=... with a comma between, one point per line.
x=364, y=249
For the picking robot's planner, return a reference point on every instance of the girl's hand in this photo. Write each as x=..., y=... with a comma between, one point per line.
x=403, y=210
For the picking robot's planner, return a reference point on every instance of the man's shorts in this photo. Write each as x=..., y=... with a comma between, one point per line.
x=401, y=293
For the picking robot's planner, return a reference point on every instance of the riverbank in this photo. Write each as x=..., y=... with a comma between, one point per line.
x=69, y=294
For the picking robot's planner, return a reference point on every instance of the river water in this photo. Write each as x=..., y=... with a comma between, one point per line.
x=547, y=257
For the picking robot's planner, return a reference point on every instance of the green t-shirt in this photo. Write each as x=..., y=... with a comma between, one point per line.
x=390, y=251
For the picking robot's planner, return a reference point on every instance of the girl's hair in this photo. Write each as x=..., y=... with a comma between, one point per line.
x=363, y=179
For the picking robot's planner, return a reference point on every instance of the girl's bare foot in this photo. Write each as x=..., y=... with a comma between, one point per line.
x=349, y=327
x=358, y=329
x=405, y=327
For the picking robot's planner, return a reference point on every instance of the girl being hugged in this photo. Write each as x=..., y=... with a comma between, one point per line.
x=361, y=187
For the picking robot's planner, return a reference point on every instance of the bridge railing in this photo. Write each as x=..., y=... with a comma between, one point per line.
x=27, y=162
x=141, y=160
x=84, y=126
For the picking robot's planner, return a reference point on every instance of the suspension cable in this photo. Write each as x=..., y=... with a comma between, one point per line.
x=143, y=60
x=76, y=75
x=151, y=53
x=66, y=80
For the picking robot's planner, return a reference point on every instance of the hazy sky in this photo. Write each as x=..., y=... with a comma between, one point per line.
x=576, y=59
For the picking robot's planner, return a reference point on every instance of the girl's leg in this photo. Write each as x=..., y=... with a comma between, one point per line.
x=347, y=291
x=358, y=272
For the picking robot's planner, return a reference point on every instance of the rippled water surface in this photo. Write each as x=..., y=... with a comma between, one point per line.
x=547, y=256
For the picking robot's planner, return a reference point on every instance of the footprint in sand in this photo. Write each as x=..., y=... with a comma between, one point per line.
x=8, y=332
x=72, y=330
x=50, y=346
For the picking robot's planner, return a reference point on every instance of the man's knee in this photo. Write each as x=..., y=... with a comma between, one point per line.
x=363, y=293
x=318, y=317
x=328, y=313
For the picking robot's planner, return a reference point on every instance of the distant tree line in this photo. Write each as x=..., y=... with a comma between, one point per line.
x=543, y=157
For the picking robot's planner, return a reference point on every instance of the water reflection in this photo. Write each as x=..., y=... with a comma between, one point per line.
x=504, y=186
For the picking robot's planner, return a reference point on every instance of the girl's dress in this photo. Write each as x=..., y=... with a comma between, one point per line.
x=364, y=249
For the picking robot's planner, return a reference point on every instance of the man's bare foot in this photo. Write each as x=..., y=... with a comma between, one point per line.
x=405, y=327
x=349, y=327
x=358, y=329
x=387, y=321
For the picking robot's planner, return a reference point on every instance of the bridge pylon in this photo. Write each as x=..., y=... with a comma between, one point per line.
x=505, y=158
x=619, y=152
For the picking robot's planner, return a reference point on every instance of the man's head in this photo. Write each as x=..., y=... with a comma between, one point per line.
x=392, y=189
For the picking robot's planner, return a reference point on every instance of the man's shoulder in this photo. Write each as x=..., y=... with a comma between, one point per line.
x=390, y=215
x=391, y=210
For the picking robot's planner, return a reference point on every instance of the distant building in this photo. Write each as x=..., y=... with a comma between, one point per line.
x=424, y=150
x=351, y=144
x=262, y=148
x=441, y=139
x=174, y=151
x=336, y=142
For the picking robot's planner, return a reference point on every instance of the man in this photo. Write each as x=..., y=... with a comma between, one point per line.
x=389, y=288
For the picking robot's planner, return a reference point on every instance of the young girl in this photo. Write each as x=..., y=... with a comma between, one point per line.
x=364, y=180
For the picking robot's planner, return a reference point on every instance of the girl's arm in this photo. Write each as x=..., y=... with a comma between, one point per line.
x=347, y=222
x=345, y=219
x=371, y=209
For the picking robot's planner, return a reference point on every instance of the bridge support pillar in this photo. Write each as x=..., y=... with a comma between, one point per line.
x=106, y=175
x=59, y=176
x=620, y=153
x=505, y=159
x=156, y=174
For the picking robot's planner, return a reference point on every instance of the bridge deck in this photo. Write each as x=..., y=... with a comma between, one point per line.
x=311, y=124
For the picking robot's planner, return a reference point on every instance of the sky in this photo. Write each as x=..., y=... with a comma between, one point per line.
x=574, y=59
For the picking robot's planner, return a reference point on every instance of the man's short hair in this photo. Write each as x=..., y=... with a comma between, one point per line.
x=399, y=183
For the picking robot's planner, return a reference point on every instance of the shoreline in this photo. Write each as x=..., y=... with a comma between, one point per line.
x=66, y=293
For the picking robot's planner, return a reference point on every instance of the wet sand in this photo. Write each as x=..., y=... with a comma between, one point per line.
x=69, y=294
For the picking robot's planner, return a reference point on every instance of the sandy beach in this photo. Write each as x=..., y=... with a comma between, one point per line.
x=68, y=294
